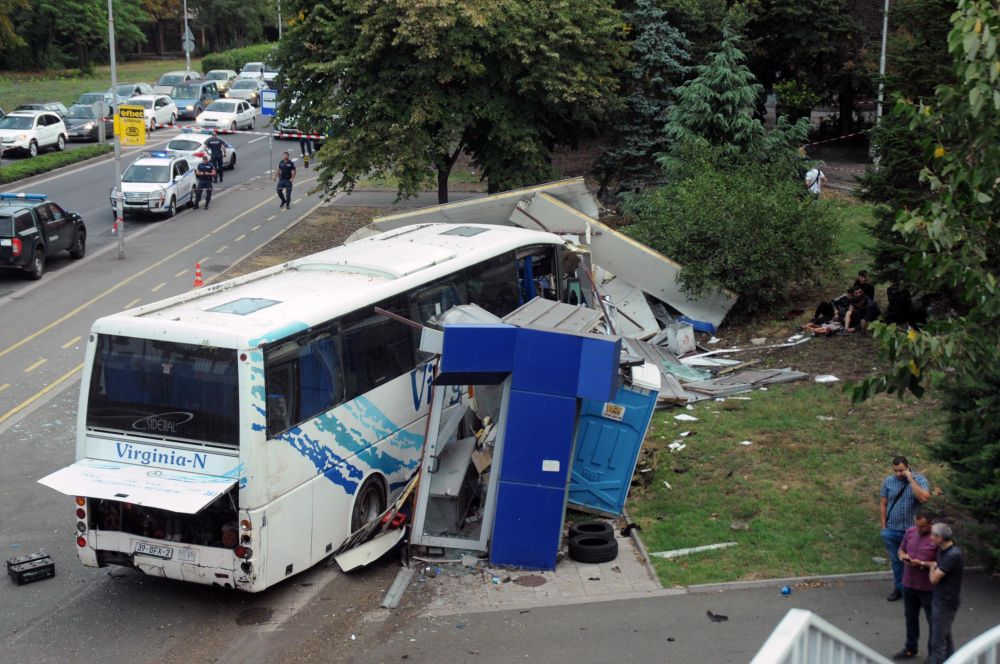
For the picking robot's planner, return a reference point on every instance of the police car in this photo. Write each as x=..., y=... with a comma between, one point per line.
x=156, y=183
x=191, y=144
x=32, y=228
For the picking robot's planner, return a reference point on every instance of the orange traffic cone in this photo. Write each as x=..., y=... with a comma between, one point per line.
x=198, y=283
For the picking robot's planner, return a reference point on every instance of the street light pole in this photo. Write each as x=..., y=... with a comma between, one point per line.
x=279, y=20
x=881, y=64
x=119, y=196
x=187, y=53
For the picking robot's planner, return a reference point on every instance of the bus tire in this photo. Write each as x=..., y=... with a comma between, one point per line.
x=369, y=502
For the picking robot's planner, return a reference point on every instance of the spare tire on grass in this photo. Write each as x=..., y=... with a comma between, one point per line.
x=593, y=549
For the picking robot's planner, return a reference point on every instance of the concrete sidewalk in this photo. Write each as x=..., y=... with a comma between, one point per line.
x=671, y=628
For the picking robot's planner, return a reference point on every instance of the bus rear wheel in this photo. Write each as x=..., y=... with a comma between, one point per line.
x=369, y=503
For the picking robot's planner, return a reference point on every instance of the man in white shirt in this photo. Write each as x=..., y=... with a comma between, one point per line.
x=814, y=181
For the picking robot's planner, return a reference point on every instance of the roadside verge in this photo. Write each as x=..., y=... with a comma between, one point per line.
x=19, y=170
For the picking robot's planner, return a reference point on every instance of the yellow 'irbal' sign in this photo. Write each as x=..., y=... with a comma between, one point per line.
x=131, y=125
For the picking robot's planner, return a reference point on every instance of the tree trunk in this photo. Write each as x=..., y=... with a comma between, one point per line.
x=846, y=103
x=443, y=173
x=159, y=37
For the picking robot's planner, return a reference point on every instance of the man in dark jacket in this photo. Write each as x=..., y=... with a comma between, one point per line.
x=946, y=575
x=217, y=148
x=862, y=311
x=204, y=174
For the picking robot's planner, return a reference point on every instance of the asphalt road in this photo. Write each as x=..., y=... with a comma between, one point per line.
x=82, y=614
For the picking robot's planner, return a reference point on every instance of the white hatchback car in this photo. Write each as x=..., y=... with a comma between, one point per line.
x=159, y=109
x=30, y=131
x=231, y=114
x=192, y=145
x=157, y=183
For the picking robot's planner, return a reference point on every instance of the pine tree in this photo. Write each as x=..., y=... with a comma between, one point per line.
x=718, y=104
x=659, y=56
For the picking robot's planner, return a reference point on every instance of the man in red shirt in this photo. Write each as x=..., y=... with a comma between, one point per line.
x=917, y=551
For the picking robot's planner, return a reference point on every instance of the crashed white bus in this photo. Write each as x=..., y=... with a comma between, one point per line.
x=238, y=434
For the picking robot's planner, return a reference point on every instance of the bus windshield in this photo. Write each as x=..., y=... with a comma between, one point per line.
x=165, y=389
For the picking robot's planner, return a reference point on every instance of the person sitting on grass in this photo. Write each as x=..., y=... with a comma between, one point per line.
x=863, y=310
x=826, y=321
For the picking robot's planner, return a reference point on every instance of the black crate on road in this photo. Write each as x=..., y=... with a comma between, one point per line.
x=31, y=567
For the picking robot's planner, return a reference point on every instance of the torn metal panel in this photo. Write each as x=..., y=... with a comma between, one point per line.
x=495, y=209
x=542, y=313
x=744, y=381
x=635, y=317
x=630, y=260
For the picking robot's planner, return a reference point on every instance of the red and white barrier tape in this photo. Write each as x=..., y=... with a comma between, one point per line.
x=208, y=130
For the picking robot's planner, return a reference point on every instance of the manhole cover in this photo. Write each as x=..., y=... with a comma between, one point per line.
x=531, y=580
x=257, y=615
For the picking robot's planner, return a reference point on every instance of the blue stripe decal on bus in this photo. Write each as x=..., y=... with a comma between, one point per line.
x=356, y=443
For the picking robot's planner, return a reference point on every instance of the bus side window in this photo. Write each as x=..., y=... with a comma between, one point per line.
x=320, y=383
x=432, y=301
x=376, y=348
x=493, y=284
x=281, y=387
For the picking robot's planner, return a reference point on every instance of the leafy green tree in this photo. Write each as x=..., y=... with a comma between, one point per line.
x=917, y=63
x=232, y=23
x=8, y=34
x=658, y=62
x=736, y=223
x=406, y=87
x=953, y=245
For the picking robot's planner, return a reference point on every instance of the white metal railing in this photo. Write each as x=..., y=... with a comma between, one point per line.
x=802, y=637
x=984, y=649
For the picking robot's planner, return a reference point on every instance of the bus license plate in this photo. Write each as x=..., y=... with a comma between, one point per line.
x=155, y=551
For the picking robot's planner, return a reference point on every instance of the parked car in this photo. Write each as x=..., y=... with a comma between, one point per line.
x=88, y=98
x=31, y=131
x=248, y=89
x=53, y=106
x=192, y=98
x=222, y=78
x=252, y=70
x=156, y=183
x=269, y=74
x=2, y=113
x=158, y=109
x=126, y=90
x=229, y=114
x=191, y=144
x=33, y=229
x=167, y=82
x=83, y=123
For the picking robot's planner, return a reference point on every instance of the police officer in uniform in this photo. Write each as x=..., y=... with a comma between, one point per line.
x=205, y=172
x=217, y=148
x=284, y=174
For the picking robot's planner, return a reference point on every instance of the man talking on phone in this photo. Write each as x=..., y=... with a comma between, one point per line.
x=901, y=494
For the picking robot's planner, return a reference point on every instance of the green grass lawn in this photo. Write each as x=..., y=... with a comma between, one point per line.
x=806, y=487
x=21, y=87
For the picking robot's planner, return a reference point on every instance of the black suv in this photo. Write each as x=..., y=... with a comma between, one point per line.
x=32, y=228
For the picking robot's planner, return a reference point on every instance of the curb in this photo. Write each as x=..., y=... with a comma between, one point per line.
x=641, y=546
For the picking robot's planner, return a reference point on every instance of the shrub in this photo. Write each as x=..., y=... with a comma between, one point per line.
x=12, y=171
x=237, y=57
x=740, y=226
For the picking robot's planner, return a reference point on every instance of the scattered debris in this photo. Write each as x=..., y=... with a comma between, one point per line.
x=879, y=560
x=824, y=418
x=685, y=418
x=399, y=585
x=677, y=553
x=716, y=617
x=676, y=446
x=746, y=442
x=714, y=340
x=667, y=484
x=627, y=530
x=758, y=341
x=739, y=525
x=685, y=434
x=826, y=378
x=786, y=590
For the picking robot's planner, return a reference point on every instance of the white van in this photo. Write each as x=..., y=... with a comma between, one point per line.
x=252, y=70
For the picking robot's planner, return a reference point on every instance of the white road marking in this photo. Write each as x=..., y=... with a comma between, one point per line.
x=222, y=248
x=181, y=273
x=158, y=286
x=240, y=238
x=132, y=303
x=260, y=138
x=71, y=342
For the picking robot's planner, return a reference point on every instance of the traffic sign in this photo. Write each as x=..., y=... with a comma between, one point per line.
x=131, y=125
x=187, y=41
x=268, y=101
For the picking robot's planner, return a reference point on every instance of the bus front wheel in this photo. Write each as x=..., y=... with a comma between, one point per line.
x=369, y=503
